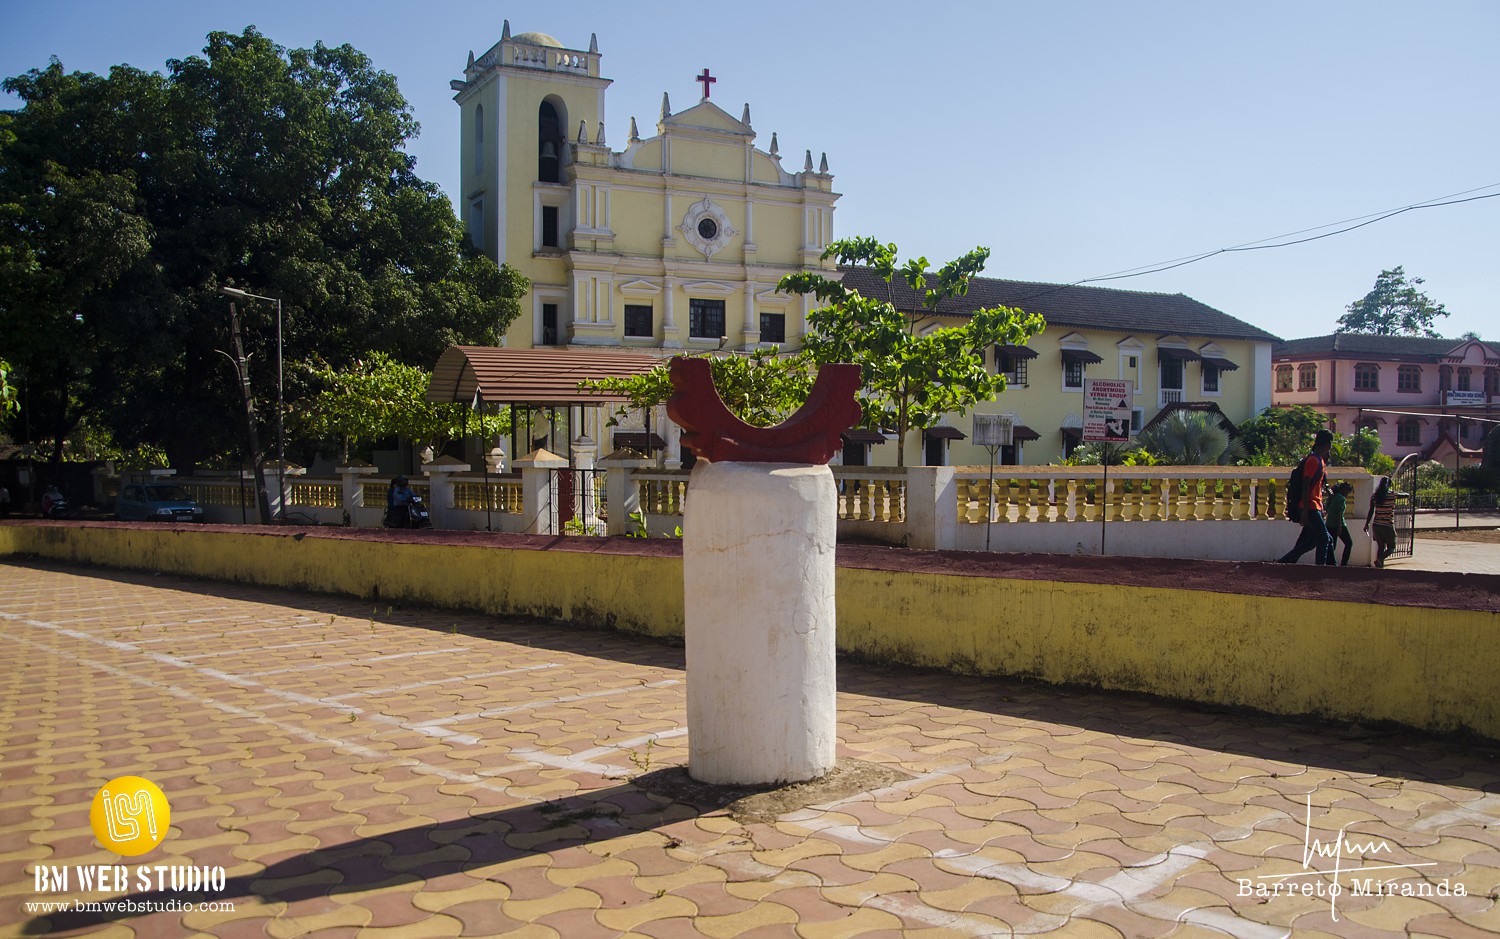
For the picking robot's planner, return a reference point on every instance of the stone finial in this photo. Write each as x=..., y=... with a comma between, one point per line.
x=745, y=118
x=775, y=147
x=823, y=164
x=593, y=43
x=471, y=58
x=666, y=106
x=634, y=133
x=807, y=165
x=505, y=33
x=599, y=134
x=583, y=136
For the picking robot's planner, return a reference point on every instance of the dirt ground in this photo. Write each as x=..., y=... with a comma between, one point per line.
x=1482, y=535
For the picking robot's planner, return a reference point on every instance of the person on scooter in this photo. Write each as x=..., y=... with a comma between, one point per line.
x=398, y=499
x=51, y=501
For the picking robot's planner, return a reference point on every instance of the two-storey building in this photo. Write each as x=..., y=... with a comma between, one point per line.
x=1419, y=393
x=1173, y=349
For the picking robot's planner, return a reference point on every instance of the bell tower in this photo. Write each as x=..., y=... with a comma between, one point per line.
x=523, y=103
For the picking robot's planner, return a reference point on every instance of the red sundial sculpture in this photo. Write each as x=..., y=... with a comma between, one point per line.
x=812, y=435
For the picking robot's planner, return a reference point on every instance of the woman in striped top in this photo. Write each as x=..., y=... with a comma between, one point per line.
x=1382, y=515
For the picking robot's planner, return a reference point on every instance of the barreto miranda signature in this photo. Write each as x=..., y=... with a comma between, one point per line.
x=1361, y=884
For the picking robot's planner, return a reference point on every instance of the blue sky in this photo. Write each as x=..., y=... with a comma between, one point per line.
x=1075, y=139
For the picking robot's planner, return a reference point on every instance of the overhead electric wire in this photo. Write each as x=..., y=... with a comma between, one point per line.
x=1260, y=244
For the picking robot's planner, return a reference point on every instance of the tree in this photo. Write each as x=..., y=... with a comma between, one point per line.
x=762, y=388
x=380, y=397
x=127, y=201
x=8, y=403
x=1394, y=308
x=1191, y=438
x=910, y=378
x=1280, y=436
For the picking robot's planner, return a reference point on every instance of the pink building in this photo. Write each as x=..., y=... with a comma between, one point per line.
x=1413, y=390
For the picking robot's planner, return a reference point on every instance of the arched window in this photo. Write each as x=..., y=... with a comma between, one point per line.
x=1366, y=377
x=479, y=138
x=549, y=143
x=1307, y=377
x=1284, y=379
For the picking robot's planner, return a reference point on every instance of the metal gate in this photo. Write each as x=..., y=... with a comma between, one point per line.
x=578, y=501
x=1404, y=481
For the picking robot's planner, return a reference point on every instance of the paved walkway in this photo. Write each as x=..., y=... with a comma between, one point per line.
x=416, y=773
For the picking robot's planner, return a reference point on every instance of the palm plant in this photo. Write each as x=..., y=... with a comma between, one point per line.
x=1191, y=438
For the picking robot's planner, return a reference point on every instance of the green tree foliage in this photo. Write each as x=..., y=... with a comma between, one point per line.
x=1281, y=436
x=1393, y=308
x=126, y=201
x=8, y=398
x=380, y=397
x=1191, y=438
x=911, y=378
x=762, y=388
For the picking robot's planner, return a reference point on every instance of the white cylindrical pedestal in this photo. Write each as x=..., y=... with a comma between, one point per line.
x=758, y=569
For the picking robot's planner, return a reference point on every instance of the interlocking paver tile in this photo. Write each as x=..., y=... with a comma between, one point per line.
x=486, y=786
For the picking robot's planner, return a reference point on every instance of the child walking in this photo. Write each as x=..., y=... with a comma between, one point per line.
x=1382, y=515
x=1338, y=529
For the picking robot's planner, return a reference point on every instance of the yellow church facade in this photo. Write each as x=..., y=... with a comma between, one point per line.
x=675, y=242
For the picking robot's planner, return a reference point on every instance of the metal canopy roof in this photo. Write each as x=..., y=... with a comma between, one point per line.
x=539, y=377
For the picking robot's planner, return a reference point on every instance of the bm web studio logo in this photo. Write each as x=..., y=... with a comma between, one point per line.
x=130, y=815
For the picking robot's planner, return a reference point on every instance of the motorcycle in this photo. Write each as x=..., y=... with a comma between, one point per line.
x=411, y=514
x=56, y=508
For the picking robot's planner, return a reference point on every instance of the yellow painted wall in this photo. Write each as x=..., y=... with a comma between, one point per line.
x=1427, y=668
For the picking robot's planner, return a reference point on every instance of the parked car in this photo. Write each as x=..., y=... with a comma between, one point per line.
x=156, y=502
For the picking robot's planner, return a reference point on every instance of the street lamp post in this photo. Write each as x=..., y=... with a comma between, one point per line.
x=280, y=399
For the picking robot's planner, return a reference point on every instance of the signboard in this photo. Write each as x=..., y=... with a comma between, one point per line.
x=1466, y=397
x=1106, y=409
x=994, y=430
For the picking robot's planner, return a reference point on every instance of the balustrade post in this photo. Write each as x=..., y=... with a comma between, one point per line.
x=440, y=488
x=621, y=491
x=931, y=507
x=353, y=487
x=539, y=514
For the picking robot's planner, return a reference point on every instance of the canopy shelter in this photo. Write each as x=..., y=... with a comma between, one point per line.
x=534, y=379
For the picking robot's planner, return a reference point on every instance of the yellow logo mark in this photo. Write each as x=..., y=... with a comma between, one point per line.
x=130, y=815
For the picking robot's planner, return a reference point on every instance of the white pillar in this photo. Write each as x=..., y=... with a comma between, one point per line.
x=758, y=568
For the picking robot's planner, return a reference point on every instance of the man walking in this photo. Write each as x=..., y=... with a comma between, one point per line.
x=1314, y=534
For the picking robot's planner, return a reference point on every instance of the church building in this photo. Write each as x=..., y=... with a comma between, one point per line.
x=675, y=242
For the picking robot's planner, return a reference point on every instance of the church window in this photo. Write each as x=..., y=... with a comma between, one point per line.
x=706, y=319
x=476, y=224
x=638, y=321
x=1409, y=378
x=549, y=226
x=773, y=327
x=1366, y=377
x=1307, y=377
x=549, y=144
x=1284, y=378
x=549, y=324
x=479, y=139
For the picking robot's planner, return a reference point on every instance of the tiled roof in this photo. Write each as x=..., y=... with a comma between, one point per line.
x=530, y=376
x=1367, y=344
x=1076, y=307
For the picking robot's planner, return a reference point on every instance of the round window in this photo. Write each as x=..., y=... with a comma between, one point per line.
x=708, y=229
